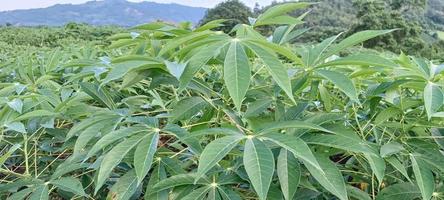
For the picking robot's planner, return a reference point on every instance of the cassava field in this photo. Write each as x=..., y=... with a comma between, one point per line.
x=173, y=112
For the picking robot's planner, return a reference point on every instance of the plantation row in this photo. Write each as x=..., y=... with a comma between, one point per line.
x=169, y=112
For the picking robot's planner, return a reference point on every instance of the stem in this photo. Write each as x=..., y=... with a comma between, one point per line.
x=25, y=151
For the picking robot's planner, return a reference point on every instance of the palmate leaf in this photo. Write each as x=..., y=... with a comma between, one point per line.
x=259, y=165
x=237, y=72
x=329, y=177
x=144, y=154
x=423, y=176
x=341, y=81
x=215, y=151
x=289, y=173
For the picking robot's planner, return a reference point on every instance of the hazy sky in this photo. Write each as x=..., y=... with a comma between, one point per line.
x=26, y=4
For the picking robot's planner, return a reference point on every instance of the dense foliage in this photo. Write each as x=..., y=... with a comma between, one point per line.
x=417, y=32
x=169, y=112
x=16, y=40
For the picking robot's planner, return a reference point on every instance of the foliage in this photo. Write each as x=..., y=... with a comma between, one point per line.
x=166, y=112
x=233, y=11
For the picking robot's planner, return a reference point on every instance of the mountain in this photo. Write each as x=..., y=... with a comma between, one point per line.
x=105, y=12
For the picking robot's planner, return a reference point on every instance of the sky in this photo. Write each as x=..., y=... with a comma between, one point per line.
x=27, y=4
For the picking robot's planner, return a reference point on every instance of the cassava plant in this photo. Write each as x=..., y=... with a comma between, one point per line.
x=170, y=112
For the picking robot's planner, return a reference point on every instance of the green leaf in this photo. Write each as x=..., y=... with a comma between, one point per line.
x=257, y=107
x=144, y=154
x=357, y=193
x=188, y=107
x=67, y=167
x=329, y=177
x=85, y=136
x=175, y=43
x=386, y=114
x=424, y=177
x=156, y=176
x=390, y=148
x=400, y=191
x=35, y=113
x=197, y=194
x=125, y=187
x=398, y=166
x=295, y=145
x=237, y=72
x=16, y=104
x=377, y=164
x=274, y=66
x=433, y=98
x=198, y=60
x=361, y=59
x=312, y=55
x=78, y=128
x=341, y=81
x=274, y=126
x=178, y=180
x=215, y=151
x=69, y=184
x=259, y=165
x=269, y=16
x=8, y=154
x=346, y=141
x=40, y=193
x=120, y=69
x=114, y=156
x=16, y=126
x=22, y=194
x=114, y=136
x=289, y=173
x=100, y=94
x=354, y=39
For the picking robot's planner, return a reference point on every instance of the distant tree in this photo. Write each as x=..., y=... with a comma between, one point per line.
x=391, y=14
x=234, y=11
x=257, y=9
